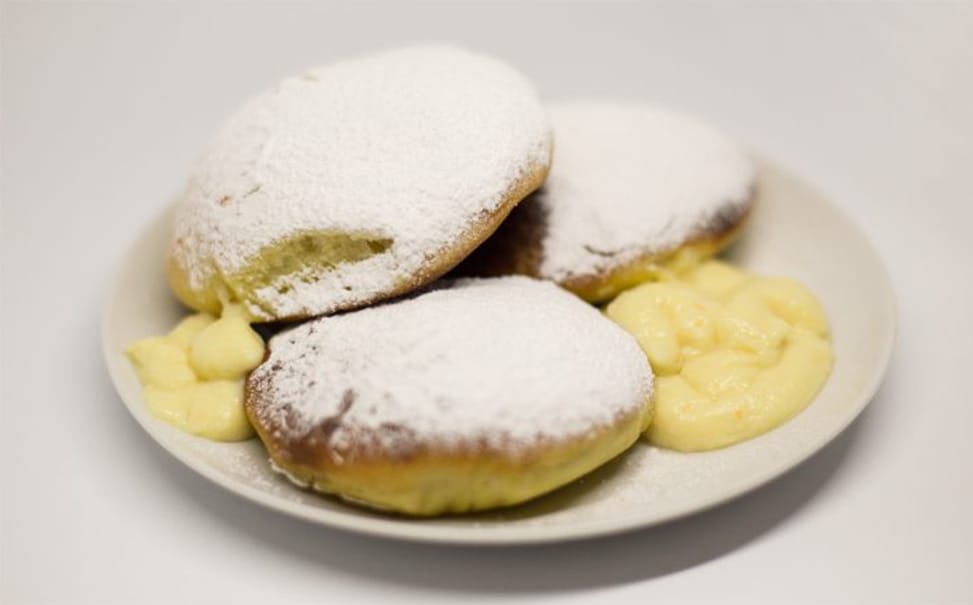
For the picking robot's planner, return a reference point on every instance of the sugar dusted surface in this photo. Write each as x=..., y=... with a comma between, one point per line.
x=501, y=364
x=413, y=145
x=630, y=181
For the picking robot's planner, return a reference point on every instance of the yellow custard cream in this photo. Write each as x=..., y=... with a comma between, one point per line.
x=734, y=354
x=193, y=377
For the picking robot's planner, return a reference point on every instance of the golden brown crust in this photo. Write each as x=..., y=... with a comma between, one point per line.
x=705, y=243
x=429, y=480
x=207, y=298
x=516, y=248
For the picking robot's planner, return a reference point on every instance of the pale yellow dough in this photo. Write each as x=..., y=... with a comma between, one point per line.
x=193, y=377
x=734, y=354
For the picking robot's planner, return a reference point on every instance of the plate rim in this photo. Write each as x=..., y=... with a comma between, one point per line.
x=404, y=529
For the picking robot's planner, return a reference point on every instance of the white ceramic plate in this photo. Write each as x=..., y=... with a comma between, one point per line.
x=794, y=231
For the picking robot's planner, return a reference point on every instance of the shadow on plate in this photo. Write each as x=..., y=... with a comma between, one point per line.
x=635, y=556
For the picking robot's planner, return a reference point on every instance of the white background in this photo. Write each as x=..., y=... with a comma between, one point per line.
x=104, y=107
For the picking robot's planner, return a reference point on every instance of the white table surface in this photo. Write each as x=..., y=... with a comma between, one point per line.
x=104, y=107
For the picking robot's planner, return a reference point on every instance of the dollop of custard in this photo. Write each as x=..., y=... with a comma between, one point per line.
x=734, y=354
x=193, y=376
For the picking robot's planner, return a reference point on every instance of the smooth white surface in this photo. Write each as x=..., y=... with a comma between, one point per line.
x=103, y=107
x=645, y=486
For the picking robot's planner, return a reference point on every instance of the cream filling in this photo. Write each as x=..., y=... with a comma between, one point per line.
x=734, y=354
x=193, y=376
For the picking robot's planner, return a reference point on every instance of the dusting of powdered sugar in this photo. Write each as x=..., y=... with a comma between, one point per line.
x=501, y=364
x=410, y=146
x=630, y=181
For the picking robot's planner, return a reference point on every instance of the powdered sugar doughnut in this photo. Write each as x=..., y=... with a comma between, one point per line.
x=357, y=181
x=630, y=187
x=482, y=393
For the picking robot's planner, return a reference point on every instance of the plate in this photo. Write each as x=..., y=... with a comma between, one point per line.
x=794, y=231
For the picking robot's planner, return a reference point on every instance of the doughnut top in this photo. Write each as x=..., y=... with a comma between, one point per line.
x=631, y=182
x=478, y=365
x=405, y=150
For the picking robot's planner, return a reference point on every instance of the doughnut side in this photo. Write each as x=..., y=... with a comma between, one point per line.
x=309, y=259
x=516, y=248
x=432, y=481
x=707, y=242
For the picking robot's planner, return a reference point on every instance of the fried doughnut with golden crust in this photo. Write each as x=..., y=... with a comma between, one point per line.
x=479, y=394
x=632, y=189
x=357, y=182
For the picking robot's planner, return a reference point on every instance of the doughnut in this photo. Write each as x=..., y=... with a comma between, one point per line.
x=356, y=182
x=632, y=189
x=477, y=393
